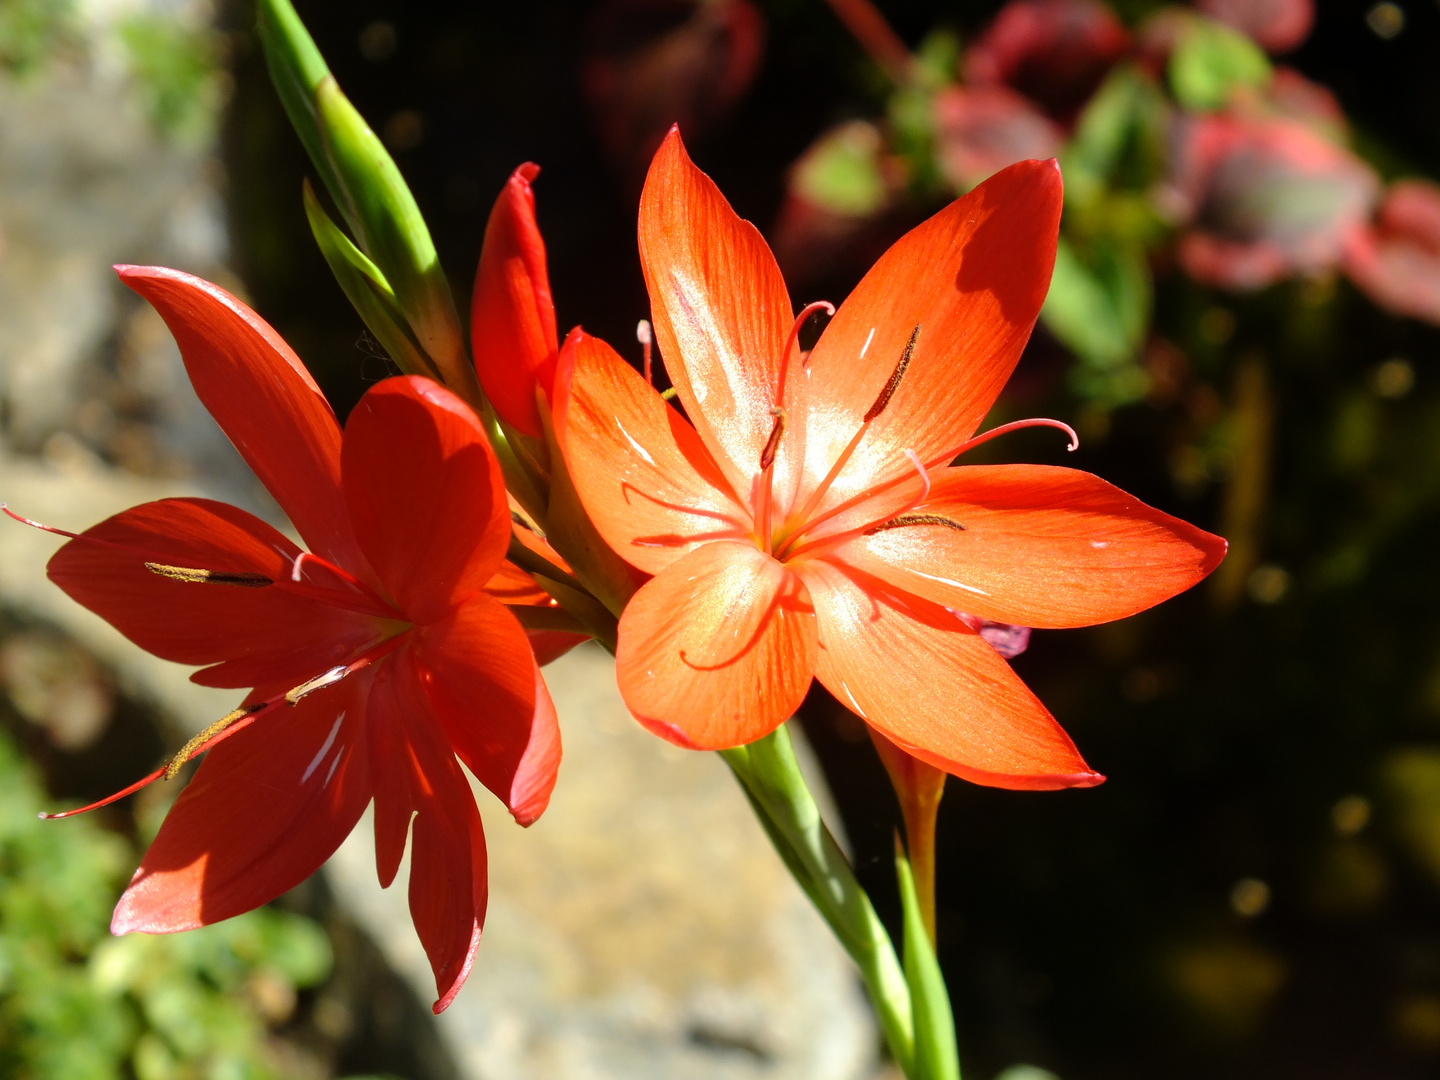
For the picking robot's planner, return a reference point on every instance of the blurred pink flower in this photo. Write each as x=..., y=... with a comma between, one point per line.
x=1265, y=197
x=838, y=215
x=1396, y=262
x=1291, y=94
x=1055, y=52
x=1277, y=26
x=980, y=130
x=654, y=63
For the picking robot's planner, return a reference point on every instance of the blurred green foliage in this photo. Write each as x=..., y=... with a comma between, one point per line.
x=176, y=67
x=30, y=30
x=78, y=1004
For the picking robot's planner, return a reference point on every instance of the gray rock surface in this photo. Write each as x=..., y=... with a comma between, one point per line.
x=642, y=928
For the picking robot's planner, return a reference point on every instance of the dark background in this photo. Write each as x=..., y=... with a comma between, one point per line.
x=1097, y=933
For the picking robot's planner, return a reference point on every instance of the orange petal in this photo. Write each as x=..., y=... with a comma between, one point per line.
x=264, y=810
x=933, y=687
x=262, y=397
x=972, y=278
x=1041, y=546
x=721, y=315
x=416, y=773
x=512, y=317
x=644, y=477
x=481, y=681
x=253, y=636
x=425, y=493
x=718, y=649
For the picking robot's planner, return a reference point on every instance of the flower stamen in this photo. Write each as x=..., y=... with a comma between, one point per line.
x=646, y=337
x=200, y=576
x=881, y=402
x=792, y=338
x=869, y=527
x=238, y=719
x=888, y=391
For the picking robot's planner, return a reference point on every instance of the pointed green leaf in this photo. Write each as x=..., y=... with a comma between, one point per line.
x=936, y=1055
x=369, y=191
x=367, y=290
x=297, y=70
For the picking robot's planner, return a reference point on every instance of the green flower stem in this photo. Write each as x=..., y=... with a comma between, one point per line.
x=770, y=776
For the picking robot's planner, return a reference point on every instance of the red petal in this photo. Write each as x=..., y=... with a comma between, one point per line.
x=721, y=315
x=512, y=318
x=717, y=650
x=260, y=394
x=483, y=685
x=1041, y=546
x=972, y=278
x=425, y=493
x=645, y=478
x=416, y=773
x=933, y=687
x=255, y=635
x=510, y=586
x=264, y=810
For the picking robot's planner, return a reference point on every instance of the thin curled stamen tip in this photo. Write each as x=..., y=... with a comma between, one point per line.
x=643, y=333
x=920, y=468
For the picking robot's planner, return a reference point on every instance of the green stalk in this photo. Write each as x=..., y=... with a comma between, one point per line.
x=770, y=776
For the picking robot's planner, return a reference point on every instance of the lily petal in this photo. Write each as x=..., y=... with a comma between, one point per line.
x=512, y=317
x=263, y=811
x=481, y=681
x=721, y=314
x=254, y=635
x=718, y=649
x=928, y=683
x=1040, y=546
x=416, y=773
x=425, y=493
x=262, y=397
x=972, y=278
x=645, y=478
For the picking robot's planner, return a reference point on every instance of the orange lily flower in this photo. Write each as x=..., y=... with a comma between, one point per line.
x=804, y=520
x=387, y=639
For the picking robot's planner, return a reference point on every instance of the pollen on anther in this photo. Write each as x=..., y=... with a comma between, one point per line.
x=893, y=384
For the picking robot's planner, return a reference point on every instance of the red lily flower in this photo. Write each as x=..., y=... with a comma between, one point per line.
x=381, y=636
x=803, y=522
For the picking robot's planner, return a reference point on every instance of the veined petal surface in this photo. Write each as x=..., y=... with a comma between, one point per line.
x=481, y=681
x=262, y=397
x=644, y=476
x=425, y=493
x=512, y=315
x=972, y=278
x=718, y=649
x=721, y=314
x=932, y=686
x=263, y=811
x=1040, y=546
x=255, y=635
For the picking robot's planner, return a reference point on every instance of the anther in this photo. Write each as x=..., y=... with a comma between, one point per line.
x=772, y=444
x=328, y=678
x=895, y=376
x=905, y=520
x=198, y=576
x=178, y=761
